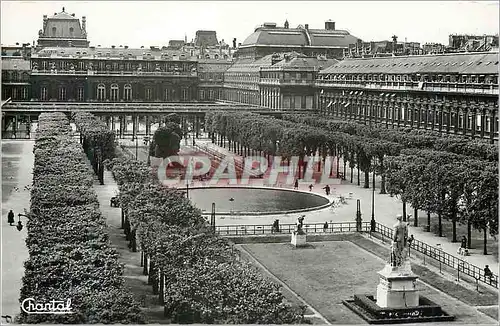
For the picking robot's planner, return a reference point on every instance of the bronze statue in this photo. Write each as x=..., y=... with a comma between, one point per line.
x=399, y=242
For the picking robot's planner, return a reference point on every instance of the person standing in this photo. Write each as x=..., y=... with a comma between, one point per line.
x=310, y=187
x=296, y=184
x=10, y=217
x=327, y=190
x=487, y=273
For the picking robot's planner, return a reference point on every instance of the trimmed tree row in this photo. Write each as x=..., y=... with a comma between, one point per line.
x=455, y=187
x=196, y=274
x=406, y=136
x=97, y=140
x=70, y=257
x=250, y=133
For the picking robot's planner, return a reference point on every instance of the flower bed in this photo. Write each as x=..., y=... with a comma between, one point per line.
x=69, y=253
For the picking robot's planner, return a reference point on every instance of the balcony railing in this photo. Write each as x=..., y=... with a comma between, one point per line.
x=280, y=81
x=114, y=73
x=475, y=88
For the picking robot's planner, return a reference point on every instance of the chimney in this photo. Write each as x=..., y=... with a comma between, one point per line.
x=234, y=43
x=306, y=26
x=44, y=21
x=84, y=23
x=330, y=25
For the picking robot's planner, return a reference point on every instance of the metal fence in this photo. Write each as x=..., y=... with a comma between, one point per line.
x=441, y=257
x=311, y=228
x=460, y=265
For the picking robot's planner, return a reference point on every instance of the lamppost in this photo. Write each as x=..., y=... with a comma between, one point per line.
x=373, y=204
x=232, y=205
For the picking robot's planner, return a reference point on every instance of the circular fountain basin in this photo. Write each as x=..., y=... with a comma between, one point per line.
x=255, y=201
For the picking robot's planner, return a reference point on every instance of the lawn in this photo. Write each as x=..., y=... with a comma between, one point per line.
x=324, y=275
x=330, y=272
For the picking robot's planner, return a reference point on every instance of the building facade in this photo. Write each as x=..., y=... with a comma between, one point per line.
x=63, y=30
x=269, y=38
x=452, y=93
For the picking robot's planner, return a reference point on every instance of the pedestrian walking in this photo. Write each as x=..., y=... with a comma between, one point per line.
x=487, y=273
x=10, y=217
x=327, y=190
x=296, y=184
x=410, y=240
x=310, y=187
x=325, y=227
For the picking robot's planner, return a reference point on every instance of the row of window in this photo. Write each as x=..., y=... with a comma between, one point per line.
x=211, y=75
x=102, y=65
x=482, y=79
x=114, y=93
x=287, y=75
x=12, y=75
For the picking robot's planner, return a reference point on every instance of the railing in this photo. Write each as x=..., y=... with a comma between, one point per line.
x=476, y=88
x=126, y=107
x=311, y=228
x=460, y=265
x=115, y=73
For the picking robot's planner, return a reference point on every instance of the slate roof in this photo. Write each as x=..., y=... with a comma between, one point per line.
x=306, y=62
x=299, y=37
x=132, y=53
x=64, y=25
x=468, y=63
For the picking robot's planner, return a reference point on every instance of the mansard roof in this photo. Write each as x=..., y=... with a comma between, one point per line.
x=270, y=35
x=456, y=63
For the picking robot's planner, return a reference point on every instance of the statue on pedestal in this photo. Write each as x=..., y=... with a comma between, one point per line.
x=298, y=226
x=399, y=247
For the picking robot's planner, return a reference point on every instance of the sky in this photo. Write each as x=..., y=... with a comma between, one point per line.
x=149, y=23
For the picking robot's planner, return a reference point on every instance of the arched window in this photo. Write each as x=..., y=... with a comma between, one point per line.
x=148, y=94
x=43, y=93
x=114, y=92
x=81, y=94
x=101, y=92
x=62, y=93
x=24, y=94
x=127, y=92
x=15, y=76
x=71, y=31
x=54, y=30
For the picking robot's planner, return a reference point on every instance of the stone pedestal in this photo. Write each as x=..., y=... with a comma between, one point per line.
x=397, y=287
x=298, y=240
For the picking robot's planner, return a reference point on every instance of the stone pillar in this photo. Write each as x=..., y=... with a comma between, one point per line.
x=473, y=121
x=483, y=122
x=134, y=127
x=14, y=126
x=124, y=124
x=465, y=120
x=492, y=125
x=148, y=125
x=113, y=126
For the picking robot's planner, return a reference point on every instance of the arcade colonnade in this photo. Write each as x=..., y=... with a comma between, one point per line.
x=454, y=117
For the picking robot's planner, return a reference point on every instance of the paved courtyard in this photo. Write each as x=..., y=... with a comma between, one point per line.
x=17, y=167
x=386, y=207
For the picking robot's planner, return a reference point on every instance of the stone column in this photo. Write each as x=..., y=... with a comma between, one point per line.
x=483, y=121
x=493, y=124
x=113, y=126
x=148, y=125
x=134, y=127
x=465, y=120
